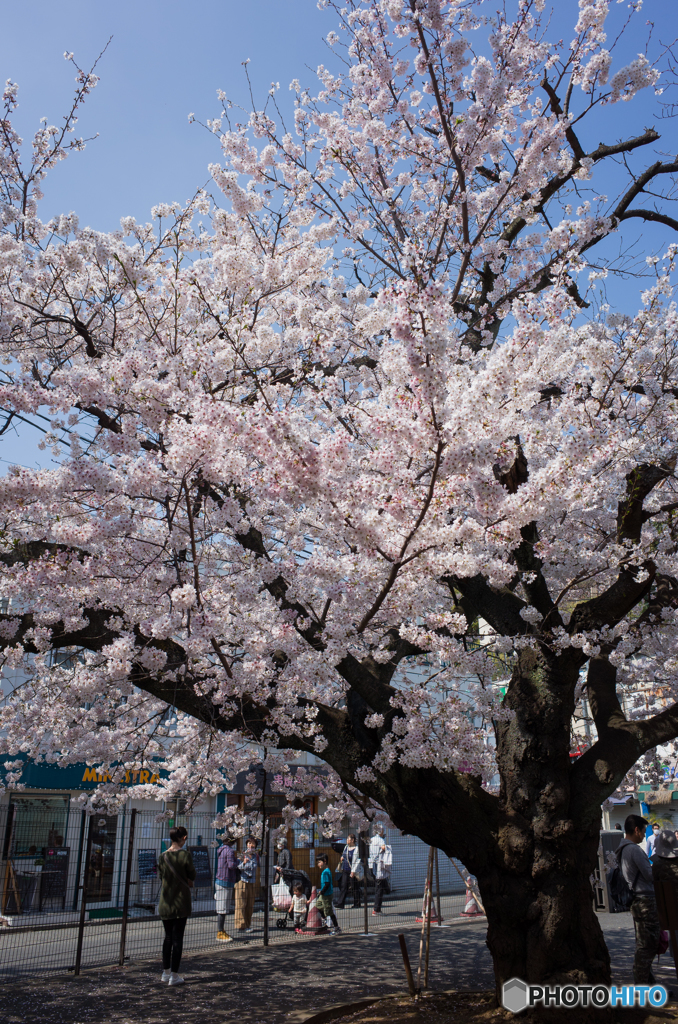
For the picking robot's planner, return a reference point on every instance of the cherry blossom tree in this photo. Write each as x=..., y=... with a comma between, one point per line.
x=356, y=428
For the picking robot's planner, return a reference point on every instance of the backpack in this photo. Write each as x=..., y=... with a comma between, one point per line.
x=621, y=892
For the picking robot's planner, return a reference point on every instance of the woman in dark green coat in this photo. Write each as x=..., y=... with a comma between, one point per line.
x=177, y=874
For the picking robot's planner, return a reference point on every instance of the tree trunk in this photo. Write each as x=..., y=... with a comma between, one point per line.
x=544, y=929
x=538, y=897
x=535, y=884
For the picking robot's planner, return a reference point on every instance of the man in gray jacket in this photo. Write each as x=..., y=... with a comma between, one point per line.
x=637, y=871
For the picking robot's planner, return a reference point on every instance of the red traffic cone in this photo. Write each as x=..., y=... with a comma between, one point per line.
x=471, y=909
x=314, y=922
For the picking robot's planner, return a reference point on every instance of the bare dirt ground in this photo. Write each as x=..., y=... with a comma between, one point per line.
x=479, y=1008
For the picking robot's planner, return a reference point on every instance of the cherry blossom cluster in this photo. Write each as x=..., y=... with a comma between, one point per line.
x=284, y=420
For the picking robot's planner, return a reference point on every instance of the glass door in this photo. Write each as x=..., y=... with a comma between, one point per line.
x=102, y=858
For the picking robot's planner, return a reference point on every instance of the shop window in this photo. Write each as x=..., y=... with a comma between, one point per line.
x=102, y=859
x=273, y=803
x=304, y=832
x=35, y=822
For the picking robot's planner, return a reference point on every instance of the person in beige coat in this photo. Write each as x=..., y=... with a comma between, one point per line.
x=245, y=887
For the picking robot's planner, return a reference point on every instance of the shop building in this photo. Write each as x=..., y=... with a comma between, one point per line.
x=45, y=837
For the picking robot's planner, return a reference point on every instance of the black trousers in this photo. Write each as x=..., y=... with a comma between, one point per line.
x=379, y=890
x=346, y=883
x=174, y=943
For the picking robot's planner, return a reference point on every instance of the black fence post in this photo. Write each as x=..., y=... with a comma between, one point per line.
x=125, y=902
x=364, y=858
x=8, y=854
x=440, y=920
x=85, y=880
x=267, y=867
x=81, y=843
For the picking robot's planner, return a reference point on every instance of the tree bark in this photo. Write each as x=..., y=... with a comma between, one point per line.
x=544, y=929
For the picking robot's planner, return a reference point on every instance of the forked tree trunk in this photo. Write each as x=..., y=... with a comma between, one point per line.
x=539, y=851
x=538, y=896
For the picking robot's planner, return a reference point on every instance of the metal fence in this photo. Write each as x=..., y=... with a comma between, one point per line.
x=82, y=891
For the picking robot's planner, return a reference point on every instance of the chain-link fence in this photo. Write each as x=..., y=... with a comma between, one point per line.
x=85, y=894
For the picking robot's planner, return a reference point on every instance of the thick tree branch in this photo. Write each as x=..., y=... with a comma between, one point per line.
x=610, y=607
x=524, y=555
x=499, y=608
x=653, y=215
x=658, y=729
x=639, y=482
x=601, y=685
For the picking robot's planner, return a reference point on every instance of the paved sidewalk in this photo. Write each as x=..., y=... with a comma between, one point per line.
x=254, y=985
x=34, y=951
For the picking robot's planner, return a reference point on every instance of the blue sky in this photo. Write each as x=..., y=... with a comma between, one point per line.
x=168, y=58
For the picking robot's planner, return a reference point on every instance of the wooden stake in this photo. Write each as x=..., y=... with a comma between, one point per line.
x=468, y=885
x=428, y=915
x=406, y=961
x=425, y=917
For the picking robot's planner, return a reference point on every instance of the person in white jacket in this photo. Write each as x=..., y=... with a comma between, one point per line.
x=350, y=871
x=380, y=861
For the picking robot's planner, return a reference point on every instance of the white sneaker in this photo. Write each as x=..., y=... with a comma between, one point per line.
x=249, y=929
x=166, y=975
x=175, y=979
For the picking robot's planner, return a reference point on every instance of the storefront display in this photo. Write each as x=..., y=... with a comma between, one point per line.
x=35, y=821
x=54, y=876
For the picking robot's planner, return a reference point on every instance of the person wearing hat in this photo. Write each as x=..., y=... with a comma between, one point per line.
x=665, y=860
x=284, y=860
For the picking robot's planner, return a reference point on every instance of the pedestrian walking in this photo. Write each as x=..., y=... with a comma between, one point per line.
x=380, y=862
x=283, y=861
x=244, y=888
x=637, y=871
x=299, y=907
x=224, y=883
x=651, y=840
x=177, y=874
x=350, y=872
x=323, y=900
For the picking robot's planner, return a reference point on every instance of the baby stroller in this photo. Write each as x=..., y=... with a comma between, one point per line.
x=282, y=901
